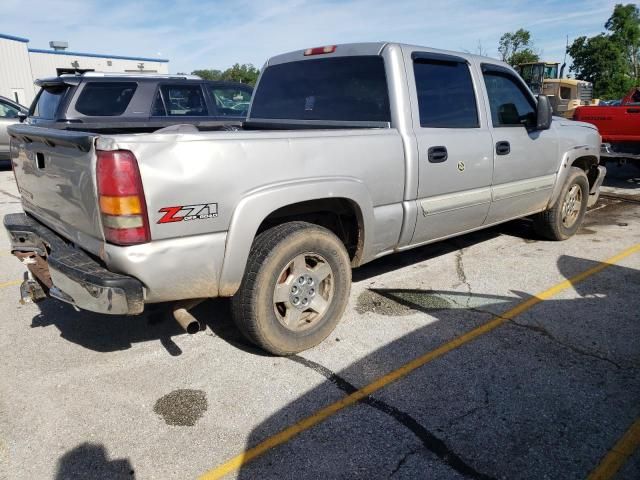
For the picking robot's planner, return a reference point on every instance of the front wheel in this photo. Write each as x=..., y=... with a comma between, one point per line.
x=565, y=217
x=295, y=288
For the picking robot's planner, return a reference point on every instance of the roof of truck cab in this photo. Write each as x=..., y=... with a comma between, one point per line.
x=376, y=48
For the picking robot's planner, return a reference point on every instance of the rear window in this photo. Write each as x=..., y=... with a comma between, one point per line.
x=330, y=89
x=105, y=99
x=48, y=101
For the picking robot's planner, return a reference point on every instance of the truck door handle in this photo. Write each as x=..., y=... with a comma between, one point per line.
x=437, y=154
x=633, y=110
x=503, y=148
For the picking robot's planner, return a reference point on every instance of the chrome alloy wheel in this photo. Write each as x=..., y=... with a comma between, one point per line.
x=303, y=292
x=571, y=206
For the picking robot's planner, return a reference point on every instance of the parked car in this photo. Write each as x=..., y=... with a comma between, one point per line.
x=349, y=153
x=619, y=126
x=117, y=103
x=9, y=114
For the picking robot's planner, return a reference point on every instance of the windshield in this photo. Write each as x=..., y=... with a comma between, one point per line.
x=551, y=71
x=332, y=89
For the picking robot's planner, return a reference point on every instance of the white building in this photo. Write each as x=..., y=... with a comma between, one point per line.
x=21, y=65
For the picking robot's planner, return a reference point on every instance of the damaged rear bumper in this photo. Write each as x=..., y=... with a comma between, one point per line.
x=68, y=273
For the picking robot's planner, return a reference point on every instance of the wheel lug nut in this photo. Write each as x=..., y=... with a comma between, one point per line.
x=294, y=290
x=312, y=292
x=296, y=300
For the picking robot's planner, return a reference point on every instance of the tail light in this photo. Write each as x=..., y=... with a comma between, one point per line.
x=121, y=197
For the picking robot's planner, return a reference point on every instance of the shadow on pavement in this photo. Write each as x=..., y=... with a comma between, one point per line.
x=543, y=396
x=622, y=176
x=90, y=461
x=104, y=333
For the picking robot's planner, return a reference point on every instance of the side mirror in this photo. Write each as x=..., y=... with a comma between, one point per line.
x=22, y=116
x=544, y=113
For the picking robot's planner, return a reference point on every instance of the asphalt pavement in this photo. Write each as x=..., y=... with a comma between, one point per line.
x=495, y=355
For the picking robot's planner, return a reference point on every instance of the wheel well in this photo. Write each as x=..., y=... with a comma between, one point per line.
x=589, y=164
x=340, y=215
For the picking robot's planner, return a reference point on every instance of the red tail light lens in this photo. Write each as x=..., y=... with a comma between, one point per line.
x=121, y=198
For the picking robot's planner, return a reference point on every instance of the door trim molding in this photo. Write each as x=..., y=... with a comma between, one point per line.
x=522, y=187
x=455, y=201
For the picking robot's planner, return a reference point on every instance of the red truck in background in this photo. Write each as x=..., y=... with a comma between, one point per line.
x=619, y=126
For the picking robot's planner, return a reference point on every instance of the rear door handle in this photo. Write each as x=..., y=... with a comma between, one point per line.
x=437, y=154
x=503, y=148
x=633, y=110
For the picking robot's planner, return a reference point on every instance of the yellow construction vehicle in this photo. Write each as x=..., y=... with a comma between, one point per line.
x=565, y=94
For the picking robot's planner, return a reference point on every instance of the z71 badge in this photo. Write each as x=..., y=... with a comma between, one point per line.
x=188, y=212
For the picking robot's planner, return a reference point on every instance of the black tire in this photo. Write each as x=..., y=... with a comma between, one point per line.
x=549, y=224
x=271, y=265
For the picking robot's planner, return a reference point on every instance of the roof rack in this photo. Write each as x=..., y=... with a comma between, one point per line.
x=132, y=75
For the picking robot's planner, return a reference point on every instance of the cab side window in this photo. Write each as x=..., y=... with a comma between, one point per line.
x=180, y=101
x=231, y=101
x=446, y=98
x=510, y=105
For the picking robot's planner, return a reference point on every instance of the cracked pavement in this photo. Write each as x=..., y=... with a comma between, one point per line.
x=545, y=395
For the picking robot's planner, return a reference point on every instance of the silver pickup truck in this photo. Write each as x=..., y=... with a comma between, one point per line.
x=349, y=153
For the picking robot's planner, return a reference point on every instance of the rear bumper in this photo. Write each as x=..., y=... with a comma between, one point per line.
x=72, y=276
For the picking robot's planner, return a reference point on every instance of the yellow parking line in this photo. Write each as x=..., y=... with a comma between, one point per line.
x=11, y=283
x=321, y=415
x=617, y=456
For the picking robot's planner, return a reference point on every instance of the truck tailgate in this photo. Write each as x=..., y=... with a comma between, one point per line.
x=55, y=174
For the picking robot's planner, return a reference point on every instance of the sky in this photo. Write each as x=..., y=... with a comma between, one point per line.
x=197, y=34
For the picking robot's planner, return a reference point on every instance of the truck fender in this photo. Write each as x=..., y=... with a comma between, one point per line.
x=258, y=204
x=568, y=159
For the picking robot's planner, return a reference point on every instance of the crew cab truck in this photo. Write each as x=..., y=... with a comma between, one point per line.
x=350, y=152
x=619, y=126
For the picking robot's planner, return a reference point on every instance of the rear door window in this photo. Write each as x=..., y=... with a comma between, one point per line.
x=180, y=101
x=48, y=102
x=446, y=98
x=232, y=101
x=350, y=88
x=105, y=99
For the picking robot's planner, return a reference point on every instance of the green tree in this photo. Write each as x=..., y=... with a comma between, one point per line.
x=517, y=47
x=245, y=73
x=624, y=25
x=611, y=61
x=601, y=61
x=208, y=74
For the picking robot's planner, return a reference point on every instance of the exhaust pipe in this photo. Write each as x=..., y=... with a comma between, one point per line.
x=188, y=322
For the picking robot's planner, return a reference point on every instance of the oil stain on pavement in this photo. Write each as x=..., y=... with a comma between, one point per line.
x=182, y=407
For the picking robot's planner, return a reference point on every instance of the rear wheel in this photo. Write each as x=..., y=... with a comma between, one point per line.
x=295, y=289
x=565, y=217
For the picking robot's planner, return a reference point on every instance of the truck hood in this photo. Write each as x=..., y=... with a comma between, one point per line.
x=565, y=122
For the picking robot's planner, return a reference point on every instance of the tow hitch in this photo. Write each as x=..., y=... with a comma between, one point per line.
x=34, y=289
x=31, y=291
